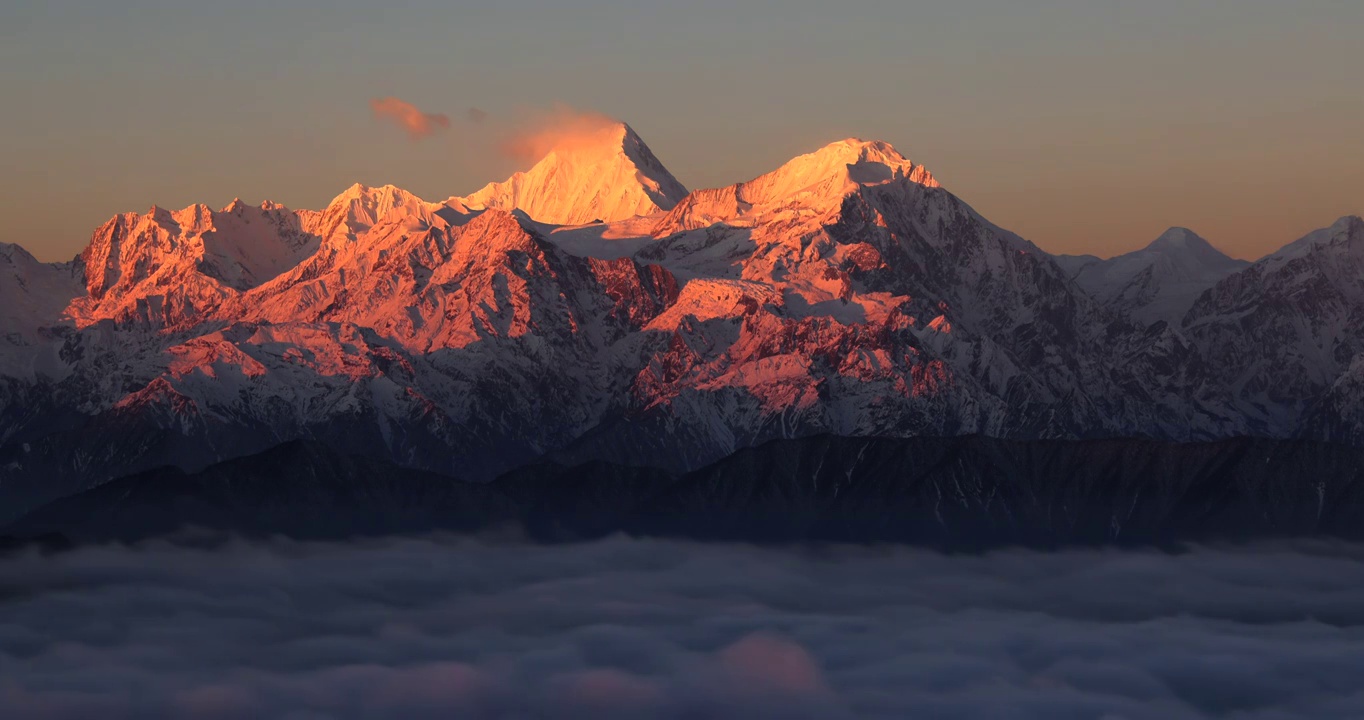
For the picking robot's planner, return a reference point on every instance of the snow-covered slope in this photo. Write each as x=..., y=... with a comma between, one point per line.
x=811, y=183
x=1157, y=283
x=33, y=299
x=33, y=294
x=606, y=175
x=169, y=269
x=845, y=292
x=876, y=301
x=1289, y=328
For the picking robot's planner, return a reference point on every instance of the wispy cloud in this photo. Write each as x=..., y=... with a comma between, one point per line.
x=525, y=135
x=561, y=127
x=417, y=124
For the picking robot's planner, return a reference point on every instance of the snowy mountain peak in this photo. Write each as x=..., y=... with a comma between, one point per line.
x=1289, y=328
x=1178, y=238
x=846, y=162
x=606, y=173
x=818, y=181
x=1346, y=227
x=9, y=252
x=356, y=210
x=164, y=269
x=374, y=197
x=32, y=296
x=1350, y=226
x=1160, y=281
x=1183, y=242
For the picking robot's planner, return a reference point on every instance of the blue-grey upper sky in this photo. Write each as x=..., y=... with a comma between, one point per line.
x=1084, y=125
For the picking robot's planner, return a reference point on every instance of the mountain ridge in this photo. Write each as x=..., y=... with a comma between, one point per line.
x=1159, y=282
x=846, y=292
x=964, y=493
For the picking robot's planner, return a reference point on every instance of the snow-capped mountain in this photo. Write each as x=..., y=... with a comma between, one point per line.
x=1287, y=333
x=1157, y=283
x=32, y=293
x=844, y=293
x=169, y=269
x=32, y=296
x=605, y=175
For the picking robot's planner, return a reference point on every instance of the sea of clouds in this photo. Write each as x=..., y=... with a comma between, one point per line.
x=447, y=628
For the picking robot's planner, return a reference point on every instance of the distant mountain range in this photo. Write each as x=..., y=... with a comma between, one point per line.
x=593, y=310
x=1157, y=283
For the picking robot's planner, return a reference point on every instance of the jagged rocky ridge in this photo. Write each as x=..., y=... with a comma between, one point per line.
x=951, y=492
x=844, y=293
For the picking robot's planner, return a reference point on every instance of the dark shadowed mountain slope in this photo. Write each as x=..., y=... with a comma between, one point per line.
x=959, y=492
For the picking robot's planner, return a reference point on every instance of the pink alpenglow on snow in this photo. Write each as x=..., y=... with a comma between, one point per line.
x=590, y=169
x=845, y=292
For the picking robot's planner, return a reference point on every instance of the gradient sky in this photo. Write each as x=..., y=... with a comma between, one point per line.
x=1084, y=125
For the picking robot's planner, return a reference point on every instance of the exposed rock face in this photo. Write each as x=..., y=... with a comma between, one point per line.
x=845, y=293
x=1287, y=333
x=168, y=270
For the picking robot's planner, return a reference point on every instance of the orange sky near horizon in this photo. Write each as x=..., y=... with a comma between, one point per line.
x=1085, y=129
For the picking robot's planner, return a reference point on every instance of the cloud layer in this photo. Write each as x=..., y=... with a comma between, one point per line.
x=624, y=629
x=409, y=117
